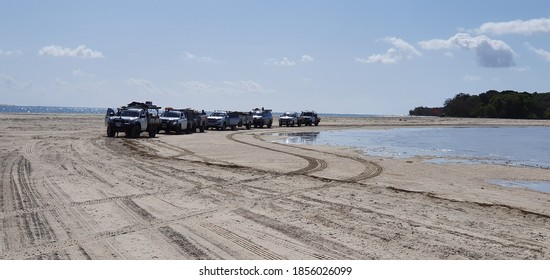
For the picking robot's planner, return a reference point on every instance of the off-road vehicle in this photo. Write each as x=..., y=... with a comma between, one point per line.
x=173, y=120
x=233, y=119
x=310, y=118
x=290, y=119
x=133, y=119
x=221, y=120
x=262, y=117
x=196, y=119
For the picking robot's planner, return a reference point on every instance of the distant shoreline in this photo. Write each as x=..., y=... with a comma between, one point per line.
x=101, y=110
x=327, y=119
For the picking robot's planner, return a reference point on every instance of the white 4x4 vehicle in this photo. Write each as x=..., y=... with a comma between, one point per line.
x=174, y=120
x=290, y=119
x=133, y=119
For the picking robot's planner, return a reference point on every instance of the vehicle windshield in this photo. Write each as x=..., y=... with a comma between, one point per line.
x=129, y=113
x=218, y=114
x=307, y=114
x=287, y=114
x=171, y=114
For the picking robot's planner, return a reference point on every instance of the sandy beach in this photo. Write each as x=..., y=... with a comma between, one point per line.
x=70, y=192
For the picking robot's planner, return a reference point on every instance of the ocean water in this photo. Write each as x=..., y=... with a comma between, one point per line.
x=543, y=186
x=519, y=146
x=51, y=109
x=514, y=146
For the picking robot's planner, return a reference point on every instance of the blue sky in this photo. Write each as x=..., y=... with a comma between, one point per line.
x=362, y=57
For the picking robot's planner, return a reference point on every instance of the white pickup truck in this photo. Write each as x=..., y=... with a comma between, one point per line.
x=174, y=120
x=133, y=119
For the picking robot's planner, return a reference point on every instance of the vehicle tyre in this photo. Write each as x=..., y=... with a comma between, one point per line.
x=280, y=124
x=178, y=129
x=269, y=125
x=152, y=133
x=316, y=123
x=110, y=131
x=224, y=126
x=136, y=130
x=248, y=126
x=233, y=127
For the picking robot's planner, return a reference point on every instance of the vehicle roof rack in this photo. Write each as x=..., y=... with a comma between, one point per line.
x=173, y=109
x=262, y=109
x=141, y=105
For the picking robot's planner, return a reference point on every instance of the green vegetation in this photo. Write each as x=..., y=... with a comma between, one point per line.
x=493, y=104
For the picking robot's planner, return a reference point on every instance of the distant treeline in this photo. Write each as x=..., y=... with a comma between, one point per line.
x=492, y=104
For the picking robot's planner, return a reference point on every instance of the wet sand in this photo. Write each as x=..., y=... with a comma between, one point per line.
x=70, y=192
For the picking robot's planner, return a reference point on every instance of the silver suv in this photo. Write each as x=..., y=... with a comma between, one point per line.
x=290, y=119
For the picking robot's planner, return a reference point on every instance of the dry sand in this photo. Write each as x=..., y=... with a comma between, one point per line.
x=69, y=192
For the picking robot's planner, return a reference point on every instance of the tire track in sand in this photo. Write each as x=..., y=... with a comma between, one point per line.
x=371, y=169
x=314, y=164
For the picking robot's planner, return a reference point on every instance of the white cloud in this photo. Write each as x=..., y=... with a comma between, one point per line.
x=247, y=86
x=400, y=50
x=7, y=81
x=200, y=87
x=471, y=78
x=307, y=58
x=81, y=51
x=521, y=69
x=528, y=27
x=10, y=83
x=225, y=87
x=10, y=53
x=59, y=83
x=542, y=53
x=80, y=73
x=144, y=85
x=490, y=52
x=284, y=62
x=193, y=57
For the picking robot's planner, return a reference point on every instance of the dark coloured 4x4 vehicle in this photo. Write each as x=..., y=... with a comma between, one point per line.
x=310, y=118
x=262, y=117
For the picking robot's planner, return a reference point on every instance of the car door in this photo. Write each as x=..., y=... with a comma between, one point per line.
x=110, y=113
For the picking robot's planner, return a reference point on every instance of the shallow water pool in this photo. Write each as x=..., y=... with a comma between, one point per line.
x=518, y=146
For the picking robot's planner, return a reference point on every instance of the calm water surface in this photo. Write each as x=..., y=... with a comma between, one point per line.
x=515, y=146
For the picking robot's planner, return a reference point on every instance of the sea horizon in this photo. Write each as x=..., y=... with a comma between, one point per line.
x=49, y=109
